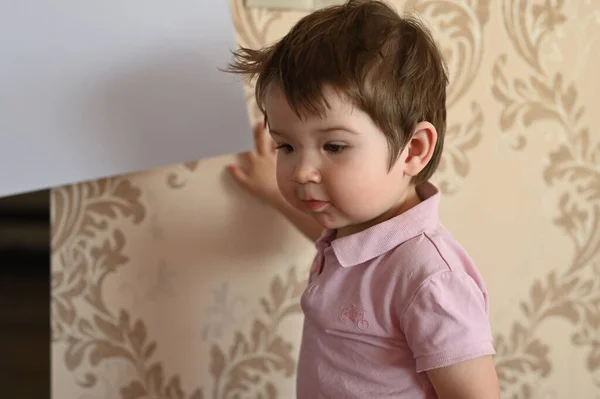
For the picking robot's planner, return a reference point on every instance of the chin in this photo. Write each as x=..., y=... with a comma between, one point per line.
x=329, y=222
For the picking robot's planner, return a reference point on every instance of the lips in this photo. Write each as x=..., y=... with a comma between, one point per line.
x=314, y=205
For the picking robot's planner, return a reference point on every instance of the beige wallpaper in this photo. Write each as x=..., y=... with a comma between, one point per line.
x=173, y=283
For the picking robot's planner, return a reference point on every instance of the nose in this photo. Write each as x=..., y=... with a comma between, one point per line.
x=305, y=172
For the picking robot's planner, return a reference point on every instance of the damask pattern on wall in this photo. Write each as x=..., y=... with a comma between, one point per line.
x=172, y=283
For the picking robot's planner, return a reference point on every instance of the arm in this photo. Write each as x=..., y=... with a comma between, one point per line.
x=471, y=379
x=447, y=328
x=257, y=177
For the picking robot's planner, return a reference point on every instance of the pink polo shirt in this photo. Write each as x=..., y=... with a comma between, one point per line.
x=388, y=303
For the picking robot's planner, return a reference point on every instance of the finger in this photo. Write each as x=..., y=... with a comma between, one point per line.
x=262, y=139
x=244, y=157
x=238, y=174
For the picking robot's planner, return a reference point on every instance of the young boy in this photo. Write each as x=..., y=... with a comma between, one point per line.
x=354, y=98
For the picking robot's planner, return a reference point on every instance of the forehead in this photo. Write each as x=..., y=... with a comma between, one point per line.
x=280, y=114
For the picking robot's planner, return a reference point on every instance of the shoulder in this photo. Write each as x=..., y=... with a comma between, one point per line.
x=444, y=311
x=434, y=263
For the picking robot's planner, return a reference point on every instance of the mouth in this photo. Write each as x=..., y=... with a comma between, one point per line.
x=315, y=205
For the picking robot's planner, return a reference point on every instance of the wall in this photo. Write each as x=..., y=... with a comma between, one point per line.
x=172, y=283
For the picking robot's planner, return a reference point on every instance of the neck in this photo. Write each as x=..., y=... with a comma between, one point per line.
x=408, y=201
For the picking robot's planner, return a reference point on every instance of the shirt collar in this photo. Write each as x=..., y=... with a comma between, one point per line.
x=383, y=237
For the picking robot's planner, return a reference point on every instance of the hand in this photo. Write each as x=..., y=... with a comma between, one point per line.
x=257, y=176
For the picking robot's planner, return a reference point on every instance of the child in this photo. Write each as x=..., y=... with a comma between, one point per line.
x=354, y=98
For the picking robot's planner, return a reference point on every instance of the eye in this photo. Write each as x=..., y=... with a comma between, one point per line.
x=334, y=148
x=285, y=147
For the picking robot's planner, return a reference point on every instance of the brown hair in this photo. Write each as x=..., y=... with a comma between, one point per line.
x=387, y=65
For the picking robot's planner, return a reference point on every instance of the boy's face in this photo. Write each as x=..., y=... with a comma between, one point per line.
x=335, y=168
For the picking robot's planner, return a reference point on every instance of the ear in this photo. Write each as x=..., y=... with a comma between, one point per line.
x=419, y=149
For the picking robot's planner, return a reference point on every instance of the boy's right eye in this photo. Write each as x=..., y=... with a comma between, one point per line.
x=285, y=147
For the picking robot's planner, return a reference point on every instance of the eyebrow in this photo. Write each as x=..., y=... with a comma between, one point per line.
x=327, y=129
x=277, y=135
x=335, y=128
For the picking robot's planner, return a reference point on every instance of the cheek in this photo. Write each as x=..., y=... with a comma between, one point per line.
x=356, y=183
x=363, y=189
x=284, y=174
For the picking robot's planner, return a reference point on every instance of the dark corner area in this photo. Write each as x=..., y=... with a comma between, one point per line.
x=25, y=295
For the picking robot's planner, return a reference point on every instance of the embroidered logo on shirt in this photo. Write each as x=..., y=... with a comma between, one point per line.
x=354, y=315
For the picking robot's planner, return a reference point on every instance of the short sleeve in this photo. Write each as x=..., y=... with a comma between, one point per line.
x=447, y=322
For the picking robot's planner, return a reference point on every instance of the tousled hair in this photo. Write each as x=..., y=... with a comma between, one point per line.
x=387, y=65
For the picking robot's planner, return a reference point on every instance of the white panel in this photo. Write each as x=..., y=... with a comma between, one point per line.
x=300, y=5
x=97, y=88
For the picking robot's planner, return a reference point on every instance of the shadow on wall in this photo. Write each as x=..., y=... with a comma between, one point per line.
x=219, y=221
